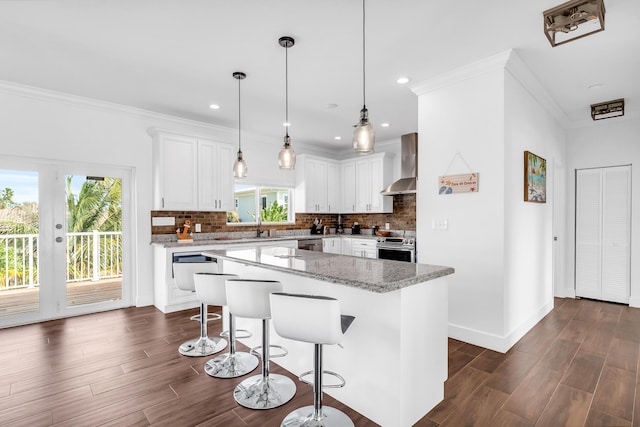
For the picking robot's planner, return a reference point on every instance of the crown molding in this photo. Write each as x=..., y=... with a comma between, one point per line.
x=460, y=74
x=18, y=89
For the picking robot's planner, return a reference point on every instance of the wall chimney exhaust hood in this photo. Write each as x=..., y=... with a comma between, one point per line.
x=408, y=167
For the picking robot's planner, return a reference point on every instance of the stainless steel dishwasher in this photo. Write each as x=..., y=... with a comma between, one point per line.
x=310, y=244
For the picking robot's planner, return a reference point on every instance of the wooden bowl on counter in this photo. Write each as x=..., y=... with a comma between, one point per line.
x=383, y=233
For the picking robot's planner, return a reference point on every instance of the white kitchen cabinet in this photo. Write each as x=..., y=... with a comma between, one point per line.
x=191, y=172
x=364, y=248
x=346, y=246
x=371, y=175
x=332, y=245
x=348, y=187
x=315, y=188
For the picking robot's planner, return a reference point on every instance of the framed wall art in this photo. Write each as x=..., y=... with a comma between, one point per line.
x=535, y=178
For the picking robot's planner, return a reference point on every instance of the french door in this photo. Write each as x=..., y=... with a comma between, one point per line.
x=64, y=239
x=603, y=233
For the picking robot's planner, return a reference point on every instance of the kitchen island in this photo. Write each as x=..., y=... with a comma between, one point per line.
x=394, y=356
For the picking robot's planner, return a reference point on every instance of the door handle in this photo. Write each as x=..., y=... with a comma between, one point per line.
x=59, y=239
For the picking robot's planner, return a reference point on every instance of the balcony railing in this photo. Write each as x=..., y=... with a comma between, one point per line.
x=90, y=256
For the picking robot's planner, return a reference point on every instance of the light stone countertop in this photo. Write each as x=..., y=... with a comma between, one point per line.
x=226, y=240
x=374, y=275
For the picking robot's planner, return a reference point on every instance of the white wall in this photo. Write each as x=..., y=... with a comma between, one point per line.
x=610, y=142
x=499, y=245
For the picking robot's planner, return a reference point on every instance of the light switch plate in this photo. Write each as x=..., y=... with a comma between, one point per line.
x=158, y=221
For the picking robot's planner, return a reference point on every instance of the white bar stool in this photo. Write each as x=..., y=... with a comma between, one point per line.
x=234, y=363
x=203, y=346
x=250, y=299
x=317, y=320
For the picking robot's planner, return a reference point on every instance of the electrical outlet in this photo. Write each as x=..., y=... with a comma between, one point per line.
x=439, y=224
x=198, y=228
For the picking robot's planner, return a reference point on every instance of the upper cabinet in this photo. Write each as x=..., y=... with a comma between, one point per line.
x=349, y=186
x=191, y=172
x=371, y=174
x=316, y=185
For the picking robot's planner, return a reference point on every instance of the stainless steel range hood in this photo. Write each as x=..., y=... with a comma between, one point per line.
x=408, y=167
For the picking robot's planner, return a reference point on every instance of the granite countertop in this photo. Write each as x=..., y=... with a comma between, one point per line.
x=225, y=240
x=374, y=275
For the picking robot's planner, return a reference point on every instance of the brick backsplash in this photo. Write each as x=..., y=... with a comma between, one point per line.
x=402, y=218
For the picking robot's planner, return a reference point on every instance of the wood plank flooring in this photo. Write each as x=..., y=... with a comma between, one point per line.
x=577, y=367
x=122, y=368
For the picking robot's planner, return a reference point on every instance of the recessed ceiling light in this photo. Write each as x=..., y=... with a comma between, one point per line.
x=214, y=106
x=332, y=106
x=385, y=125
x=595, y=86
x=403, y=80
x=337, y=138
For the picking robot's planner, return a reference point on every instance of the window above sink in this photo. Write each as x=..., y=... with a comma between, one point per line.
x=266, y=204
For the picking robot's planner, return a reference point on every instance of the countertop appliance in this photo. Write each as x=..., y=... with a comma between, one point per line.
x=355, y=228
x=397, y=248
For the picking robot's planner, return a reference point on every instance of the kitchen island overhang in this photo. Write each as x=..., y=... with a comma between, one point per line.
x=394, y=356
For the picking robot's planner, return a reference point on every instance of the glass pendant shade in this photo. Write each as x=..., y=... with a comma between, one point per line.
x=239, y=167
x=364, y=137
x=287, y=157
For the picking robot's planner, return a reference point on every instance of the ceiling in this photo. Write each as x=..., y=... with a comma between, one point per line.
x=177, y=57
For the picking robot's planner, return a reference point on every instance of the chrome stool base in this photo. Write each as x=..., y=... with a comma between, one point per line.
x=258, y=392
x=328, y=417
x=231, y=366
x=202, y=347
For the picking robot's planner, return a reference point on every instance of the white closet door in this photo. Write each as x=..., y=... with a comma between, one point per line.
x=588, y=232
x=603, y=230
x=616, y=234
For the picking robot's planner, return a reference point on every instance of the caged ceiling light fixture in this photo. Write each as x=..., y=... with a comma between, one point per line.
x=286, y=157
x=364, y=137
x=239, y=166
x=607, y=110
x=573, y=20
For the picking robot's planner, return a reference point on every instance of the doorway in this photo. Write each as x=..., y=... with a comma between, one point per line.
x=603, y=233
x=64, y=249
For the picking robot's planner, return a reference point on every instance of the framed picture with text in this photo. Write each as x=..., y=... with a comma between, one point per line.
x=535, y=178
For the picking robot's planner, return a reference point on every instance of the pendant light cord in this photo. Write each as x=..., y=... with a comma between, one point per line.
x=286, y=88
x=239, y=116
x=364, y=99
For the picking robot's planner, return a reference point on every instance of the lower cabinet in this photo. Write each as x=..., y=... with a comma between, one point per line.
x=364, y=248
x=332, y=245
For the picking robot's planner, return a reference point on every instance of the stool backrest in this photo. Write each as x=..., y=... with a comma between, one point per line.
x=183, y=273
x=250, y=298
x=211, y=287
x=308, y=318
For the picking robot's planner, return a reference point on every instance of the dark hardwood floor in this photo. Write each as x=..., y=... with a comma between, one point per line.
x=577, y=367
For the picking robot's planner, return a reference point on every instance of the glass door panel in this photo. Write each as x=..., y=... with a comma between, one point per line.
x=19, y=240
x=94, y=239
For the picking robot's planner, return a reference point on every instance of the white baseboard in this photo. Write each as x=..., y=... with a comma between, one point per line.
x=495, y=342
x=634, y=301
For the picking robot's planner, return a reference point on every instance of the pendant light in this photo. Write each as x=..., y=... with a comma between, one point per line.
x=364, y=137
x=287, y=157
x=239, y=166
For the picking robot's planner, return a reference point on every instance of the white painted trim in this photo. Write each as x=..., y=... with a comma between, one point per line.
x=634, y=301
x=519, y=70
x=495, y=342
x=460, y=74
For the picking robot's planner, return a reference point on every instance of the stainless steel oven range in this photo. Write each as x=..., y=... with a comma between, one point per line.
x=397, y=248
